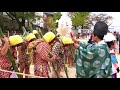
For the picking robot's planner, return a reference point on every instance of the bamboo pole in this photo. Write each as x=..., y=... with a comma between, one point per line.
x=65, y=68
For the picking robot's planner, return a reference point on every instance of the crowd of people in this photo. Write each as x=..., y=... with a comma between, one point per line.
x=95, y=59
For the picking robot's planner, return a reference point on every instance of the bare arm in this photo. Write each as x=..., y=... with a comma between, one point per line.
x=5, y=47
x=75, y=40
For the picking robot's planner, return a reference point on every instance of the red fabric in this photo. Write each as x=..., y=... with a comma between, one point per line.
x=4, y=60
x=5, y=74
x=27, y=43
x=43, y=73
x=42, y=51
x=112, y=53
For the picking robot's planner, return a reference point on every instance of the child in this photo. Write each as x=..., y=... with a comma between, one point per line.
x=93, y=61
x=110, y=40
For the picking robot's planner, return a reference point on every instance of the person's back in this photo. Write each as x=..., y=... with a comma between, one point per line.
x=93, y=61
x=96, y=62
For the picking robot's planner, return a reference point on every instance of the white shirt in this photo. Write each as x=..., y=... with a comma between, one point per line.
x=79, y=30
x=101, y=42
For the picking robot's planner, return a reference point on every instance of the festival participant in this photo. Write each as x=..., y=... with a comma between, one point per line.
x=94, y=61
x=58, y=50
x=18, y=46
x=110, y=40
x=41, y=54
x=30, y=40
x=68, y=50
x=5, y=63
x=23, y=59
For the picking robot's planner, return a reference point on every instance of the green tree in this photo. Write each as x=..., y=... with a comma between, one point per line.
x=51, y=21
x=57, y=16
x=79, y=18
x=20, y=17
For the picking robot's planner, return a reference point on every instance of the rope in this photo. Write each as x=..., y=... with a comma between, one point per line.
x=30, y=75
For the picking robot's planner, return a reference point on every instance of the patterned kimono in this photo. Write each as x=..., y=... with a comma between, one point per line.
x=22, y=56
x=58, y=50
x=40, y=64
x=5, y=64
x=93, y=61
x=69, y=51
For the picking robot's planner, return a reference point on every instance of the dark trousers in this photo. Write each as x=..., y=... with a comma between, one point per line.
x=114, y=75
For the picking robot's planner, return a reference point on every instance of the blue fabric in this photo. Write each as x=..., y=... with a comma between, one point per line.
x=114, y=59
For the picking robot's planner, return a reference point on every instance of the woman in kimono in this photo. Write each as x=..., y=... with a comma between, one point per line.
x=94, y=61
x=69, y=50
x=5, y=63
x=58, y=50
x=41, y=55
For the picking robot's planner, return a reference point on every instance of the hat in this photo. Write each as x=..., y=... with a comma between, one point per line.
x=49, y=36
x=35, y=32
x=109, y=37
x=30, y=37
x=100, y=28
x=67, y=40
x=15, y=39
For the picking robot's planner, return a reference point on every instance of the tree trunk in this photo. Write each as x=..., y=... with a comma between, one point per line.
x=21, y=24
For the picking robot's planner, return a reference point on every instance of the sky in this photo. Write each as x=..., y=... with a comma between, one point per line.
x=115, y=21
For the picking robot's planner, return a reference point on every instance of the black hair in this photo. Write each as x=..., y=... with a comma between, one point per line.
x=110, y=43
x=99, y=36
x=100, y=29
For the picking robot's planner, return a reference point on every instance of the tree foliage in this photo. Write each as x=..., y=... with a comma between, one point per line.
x=51, y=21
x=79, y=18
x=20, y=17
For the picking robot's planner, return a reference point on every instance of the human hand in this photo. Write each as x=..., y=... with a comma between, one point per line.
x=5, y=39
x=53, y=57
x=76, y=45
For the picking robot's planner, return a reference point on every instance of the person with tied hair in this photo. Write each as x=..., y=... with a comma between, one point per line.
x=94, y=61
